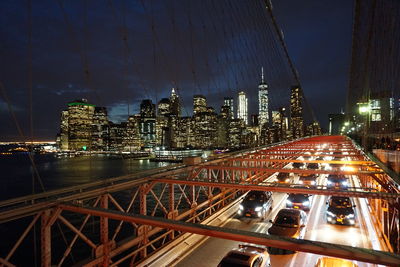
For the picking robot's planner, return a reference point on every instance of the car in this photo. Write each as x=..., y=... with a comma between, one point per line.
x=340, y=210
x=246, y=255
x=283, y=178
x=256, y=204
x=288, y=223
x=299, y=201
x=333, y=262
x=337, y=181
x=313, y=166
x=298, y=165
x=336, y=166
x=308, y=179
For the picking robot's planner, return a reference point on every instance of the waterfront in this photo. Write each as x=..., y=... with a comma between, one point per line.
x=17, y=170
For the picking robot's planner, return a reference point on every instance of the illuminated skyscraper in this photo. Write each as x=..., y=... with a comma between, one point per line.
x=199, y=104
x=80, y=120
x=228, y=101
x=164, y=107
x=242, y=107
x=147, y=109
x=263, y=117
x=296, y=112
x=175, y=105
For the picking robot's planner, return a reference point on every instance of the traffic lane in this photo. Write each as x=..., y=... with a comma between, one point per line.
x=356, y=236
x=211, y=252
x=317, y=228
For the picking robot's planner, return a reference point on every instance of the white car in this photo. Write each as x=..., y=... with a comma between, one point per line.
x=246, y=255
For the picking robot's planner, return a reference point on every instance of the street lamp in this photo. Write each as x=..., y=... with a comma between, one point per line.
x=364, y=109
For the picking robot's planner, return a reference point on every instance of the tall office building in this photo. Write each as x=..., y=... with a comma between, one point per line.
x=147, y=109
x=175, y=104
x=382, y=118
x=164, y=107
x=100, y=129
x=228, y=101
x=263, y=117
x=80, y=118
x=242, y=107
x=296, y=112
x=64, y=130
x=199, y=104
x=336, y=122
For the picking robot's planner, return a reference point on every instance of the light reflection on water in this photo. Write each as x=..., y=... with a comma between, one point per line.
x=16, y=171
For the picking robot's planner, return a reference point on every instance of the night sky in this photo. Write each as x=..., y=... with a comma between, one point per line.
x=116, y=53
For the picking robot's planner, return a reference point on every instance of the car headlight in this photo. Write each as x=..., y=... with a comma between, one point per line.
x=330, y=214
x=288, y=202
x=258, y=209
x=306, y=203
x=350, y=216
x=241, y=207
x=345, y=183
x=287, y=180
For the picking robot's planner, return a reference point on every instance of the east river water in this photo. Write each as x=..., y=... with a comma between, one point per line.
x=55, y=172
x=16, y=171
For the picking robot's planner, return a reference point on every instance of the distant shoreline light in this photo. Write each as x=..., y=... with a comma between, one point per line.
x=27, y=142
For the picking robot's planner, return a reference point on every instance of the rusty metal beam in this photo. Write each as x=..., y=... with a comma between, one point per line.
x=273, y=187
x=272, y=154
x=272, y=170
x=316, y=247
x=352, y=162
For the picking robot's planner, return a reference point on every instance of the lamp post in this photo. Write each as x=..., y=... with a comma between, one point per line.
x=364, y=109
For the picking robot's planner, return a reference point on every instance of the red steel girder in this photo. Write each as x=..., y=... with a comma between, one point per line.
x=272, y=170
x=272, y=154
x=316, y=247
x=352, y=162
x=298, y=189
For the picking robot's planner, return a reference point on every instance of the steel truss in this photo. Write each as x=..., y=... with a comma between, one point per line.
x=98, y=223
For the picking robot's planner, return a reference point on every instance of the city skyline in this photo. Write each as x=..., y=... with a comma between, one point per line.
x=85, y=126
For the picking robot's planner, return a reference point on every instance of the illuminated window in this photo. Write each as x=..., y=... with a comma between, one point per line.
x=376, y=110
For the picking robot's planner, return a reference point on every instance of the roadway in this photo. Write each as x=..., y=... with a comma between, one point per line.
x=363, y=234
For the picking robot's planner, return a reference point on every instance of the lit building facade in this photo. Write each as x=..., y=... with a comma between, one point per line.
x=64, y=130
x=296, y=112
x=263, y=117
x=164, y=107
x=242, y=107
x=175, y=104
x=382, y=113
x=228, y=101
x=132, y=140
x=80, y=120
x=100, y=129
x=199, y=104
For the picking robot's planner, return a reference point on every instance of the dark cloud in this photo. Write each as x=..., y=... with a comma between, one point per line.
x=132, y=52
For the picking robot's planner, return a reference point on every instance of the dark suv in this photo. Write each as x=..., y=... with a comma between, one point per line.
x=308, y=180
x=298, y=165
x=299, y=201
x=288, y=223
x=283, y=178
x=313, y=166
x=337, y=181
x=340, y=210
x=255, y=204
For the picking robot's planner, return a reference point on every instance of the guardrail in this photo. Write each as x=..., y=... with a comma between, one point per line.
x=389, y=157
